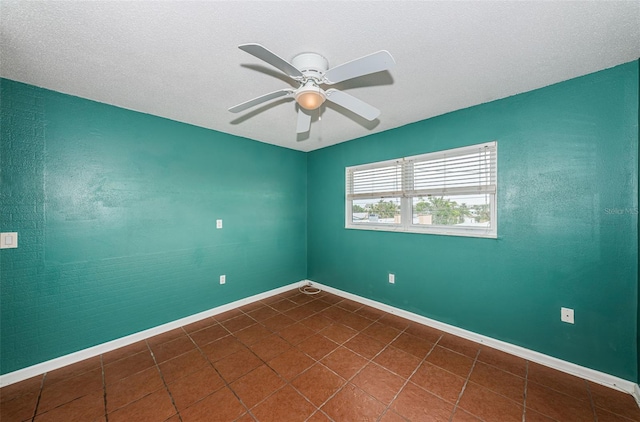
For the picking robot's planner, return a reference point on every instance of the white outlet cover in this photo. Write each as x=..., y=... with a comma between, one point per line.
x=218, y=224
x=566, y=315
x=223, y=279
x=8, y=240
x=392, y=278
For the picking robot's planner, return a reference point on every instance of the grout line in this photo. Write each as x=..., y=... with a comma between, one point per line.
x=412, y=373
x=455, y=407
x=593, y=405
x=35, y=409
x=104, y=389
x=166, y=387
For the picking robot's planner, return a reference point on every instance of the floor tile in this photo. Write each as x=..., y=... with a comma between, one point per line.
x=316, y=322
x=488, y=405
x=29, y=386
x=70, y=389
x=172, y=349
x=284, y=405
x=257, y=385
x=338, y=333
x=499, y=381
x=391, y=416
x=232, y=313
x=195, y=386
x=614, y=401
x=277, y=322
x=379, y=382
x=238, y=323
x=349, y=305
x=317, y=346
x=356, y=322
x=450, y=361
x=291, y=363
x=132, y=388
x=504, y=361
x=318, y=383
x=128, y=366
x=414, y=345
x=237, y=364
x=208, y=334
x=430, y=334
x=335, y=314
x=462, y=416
x=606, y=416
x=298, y=313
x=394, y=321
x=365, y=345
x=352, y=404
x=89, y=407
x=344, y=362
x=166, y=336
x=263, y=313
x=319, y=416
x=559, y=381
x=199, y=325
x=296, y=333
x=557, y=405
x=252, y=334
x=381, y=332
x=73, y=370
x=123, y=352
x=180, y=366
x=417, y=404
x=283, y=305
x=219, y=349
x=369, y=313
x=223, y=404
x=270, y=347
x=436, y=380
x=155, y=407
x=397, y=361
x=460, y=345
x=19, y=408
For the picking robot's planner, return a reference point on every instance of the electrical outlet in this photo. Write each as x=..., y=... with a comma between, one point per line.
x=566, y=315
x=392, y=278
x=218, y=224
x=223, y=279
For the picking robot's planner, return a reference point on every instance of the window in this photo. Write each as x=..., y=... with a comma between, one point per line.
x=449, y=192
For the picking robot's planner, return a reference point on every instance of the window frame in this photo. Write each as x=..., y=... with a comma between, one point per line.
x=407, y=194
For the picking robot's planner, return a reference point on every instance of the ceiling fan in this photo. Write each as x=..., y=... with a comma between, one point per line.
x=311, y=70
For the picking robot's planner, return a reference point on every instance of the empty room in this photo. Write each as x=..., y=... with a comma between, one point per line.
x=339, y=211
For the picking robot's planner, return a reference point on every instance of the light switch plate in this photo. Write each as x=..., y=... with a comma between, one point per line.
x=8, y=240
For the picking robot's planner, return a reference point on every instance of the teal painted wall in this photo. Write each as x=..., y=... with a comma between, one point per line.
x=116, y=217
x=567, y=224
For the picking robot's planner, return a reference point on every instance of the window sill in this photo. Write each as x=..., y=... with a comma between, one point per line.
x=413, y=229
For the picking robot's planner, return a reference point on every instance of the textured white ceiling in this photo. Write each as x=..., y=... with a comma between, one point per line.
x=180, y=60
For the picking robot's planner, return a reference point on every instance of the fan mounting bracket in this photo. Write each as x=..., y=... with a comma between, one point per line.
x=312, y=65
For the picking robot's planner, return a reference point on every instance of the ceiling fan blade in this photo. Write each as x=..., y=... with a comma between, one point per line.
x=274, y=60
x=304, y=121
x=352, y=103
x=375, y=62
x=261, y=99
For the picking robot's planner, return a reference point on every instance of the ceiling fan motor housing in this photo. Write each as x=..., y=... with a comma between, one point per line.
x=312, y=65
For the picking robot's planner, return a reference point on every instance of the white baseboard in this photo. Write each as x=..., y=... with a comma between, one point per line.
x=530, y=355
x=50, y=365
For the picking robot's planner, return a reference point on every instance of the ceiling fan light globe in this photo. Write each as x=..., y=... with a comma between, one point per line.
x=310, y=100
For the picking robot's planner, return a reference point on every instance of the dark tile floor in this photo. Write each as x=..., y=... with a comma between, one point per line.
x=294, y=357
